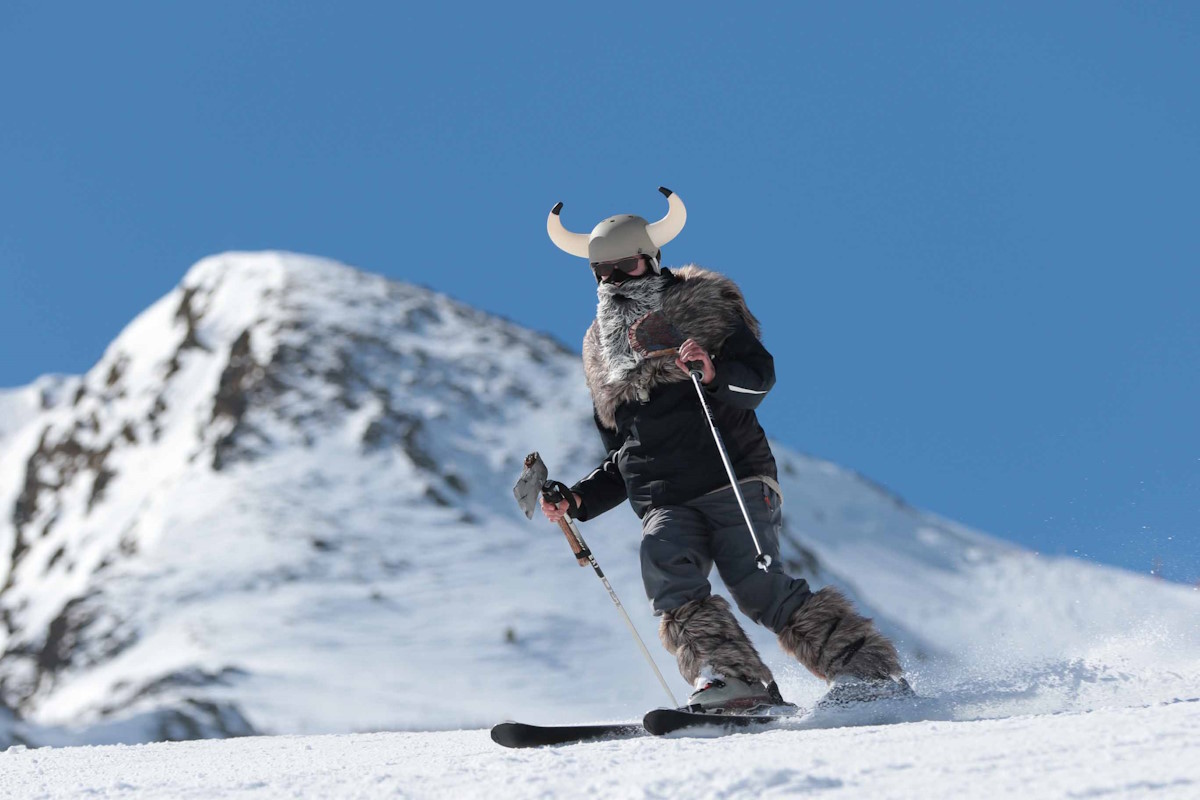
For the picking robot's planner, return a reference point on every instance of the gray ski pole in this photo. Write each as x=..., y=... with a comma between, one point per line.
x=763, y=561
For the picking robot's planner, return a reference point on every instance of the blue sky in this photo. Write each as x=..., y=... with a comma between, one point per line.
x=970, y=230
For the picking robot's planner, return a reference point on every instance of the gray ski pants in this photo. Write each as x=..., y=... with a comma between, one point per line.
x=681, y=543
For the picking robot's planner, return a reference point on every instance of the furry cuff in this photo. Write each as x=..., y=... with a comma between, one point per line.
x=830, y=638
x=705, y=638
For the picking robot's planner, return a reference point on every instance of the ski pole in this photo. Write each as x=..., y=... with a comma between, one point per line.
x=555, y=492
x=763, y=561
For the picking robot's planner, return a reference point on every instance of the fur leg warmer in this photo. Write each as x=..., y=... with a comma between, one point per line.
x=706, y=639
x=830, y=638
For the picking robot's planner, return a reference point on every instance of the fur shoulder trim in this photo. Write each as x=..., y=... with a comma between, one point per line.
x=703, y=286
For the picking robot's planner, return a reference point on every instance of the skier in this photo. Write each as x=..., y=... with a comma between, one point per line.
x=663, y=459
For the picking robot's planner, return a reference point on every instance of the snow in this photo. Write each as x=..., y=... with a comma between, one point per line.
x=281, y=504
x=1127, y=753
x=18, y=407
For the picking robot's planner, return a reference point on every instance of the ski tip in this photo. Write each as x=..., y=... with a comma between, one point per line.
x=505, y=734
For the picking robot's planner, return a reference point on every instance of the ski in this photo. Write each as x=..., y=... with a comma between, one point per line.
x=662, y=721
x=519, y=734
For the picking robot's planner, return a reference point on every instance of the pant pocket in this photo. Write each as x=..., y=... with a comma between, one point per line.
x=771, y=498
x=774, y=504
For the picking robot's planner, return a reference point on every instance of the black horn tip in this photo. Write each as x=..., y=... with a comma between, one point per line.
x=557, y=208
x=665, y=191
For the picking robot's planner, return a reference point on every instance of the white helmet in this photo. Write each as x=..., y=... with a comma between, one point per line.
x=621, y=236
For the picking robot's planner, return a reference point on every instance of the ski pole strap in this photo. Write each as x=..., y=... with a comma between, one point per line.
x=556, y=491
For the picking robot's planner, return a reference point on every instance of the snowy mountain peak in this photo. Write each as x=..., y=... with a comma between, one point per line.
x=252, y=360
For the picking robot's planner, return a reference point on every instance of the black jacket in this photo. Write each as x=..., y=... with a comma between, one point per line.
x=663, y=452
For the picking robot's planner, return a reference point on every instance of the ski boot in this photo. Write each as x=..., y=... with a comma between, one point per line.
x=733, y=696
x=848, y=691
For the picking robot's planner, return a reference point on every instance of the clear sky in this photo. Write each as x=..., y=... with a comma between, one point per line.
x=970, y=230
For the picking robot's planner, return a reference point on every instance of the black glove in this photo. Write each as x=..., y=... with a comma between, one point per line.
x=554, y=492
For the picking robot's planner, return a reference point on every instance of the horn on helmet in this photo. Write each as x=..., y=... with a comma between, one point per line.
x=574, y=243
x=669, y=226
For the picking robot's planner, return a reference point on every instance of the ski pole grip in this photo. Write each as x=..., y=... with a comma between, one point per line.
x=555, y=492
x=581, y=554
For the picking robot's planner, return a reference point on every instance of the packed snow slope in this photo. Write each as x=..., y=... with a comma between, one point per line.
x=1116, y=753
x=281, y=503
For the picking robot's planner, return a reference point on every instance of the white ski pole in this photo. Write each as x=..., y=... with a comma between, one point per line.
x=763, y=561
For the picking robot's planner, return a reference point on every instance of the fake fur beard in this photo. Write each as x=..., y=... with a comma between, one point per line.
x=619, y=306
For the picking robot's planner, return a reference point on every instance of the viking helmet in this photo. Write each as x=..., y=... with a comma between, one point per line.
x=621, y=236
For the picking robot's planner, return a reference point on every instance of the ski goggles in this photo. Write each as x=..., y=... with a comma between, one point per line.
x=618, y=271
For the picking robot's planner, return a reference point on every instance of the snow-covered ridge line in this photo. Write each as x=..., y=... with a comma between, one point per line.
x=281, y=502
